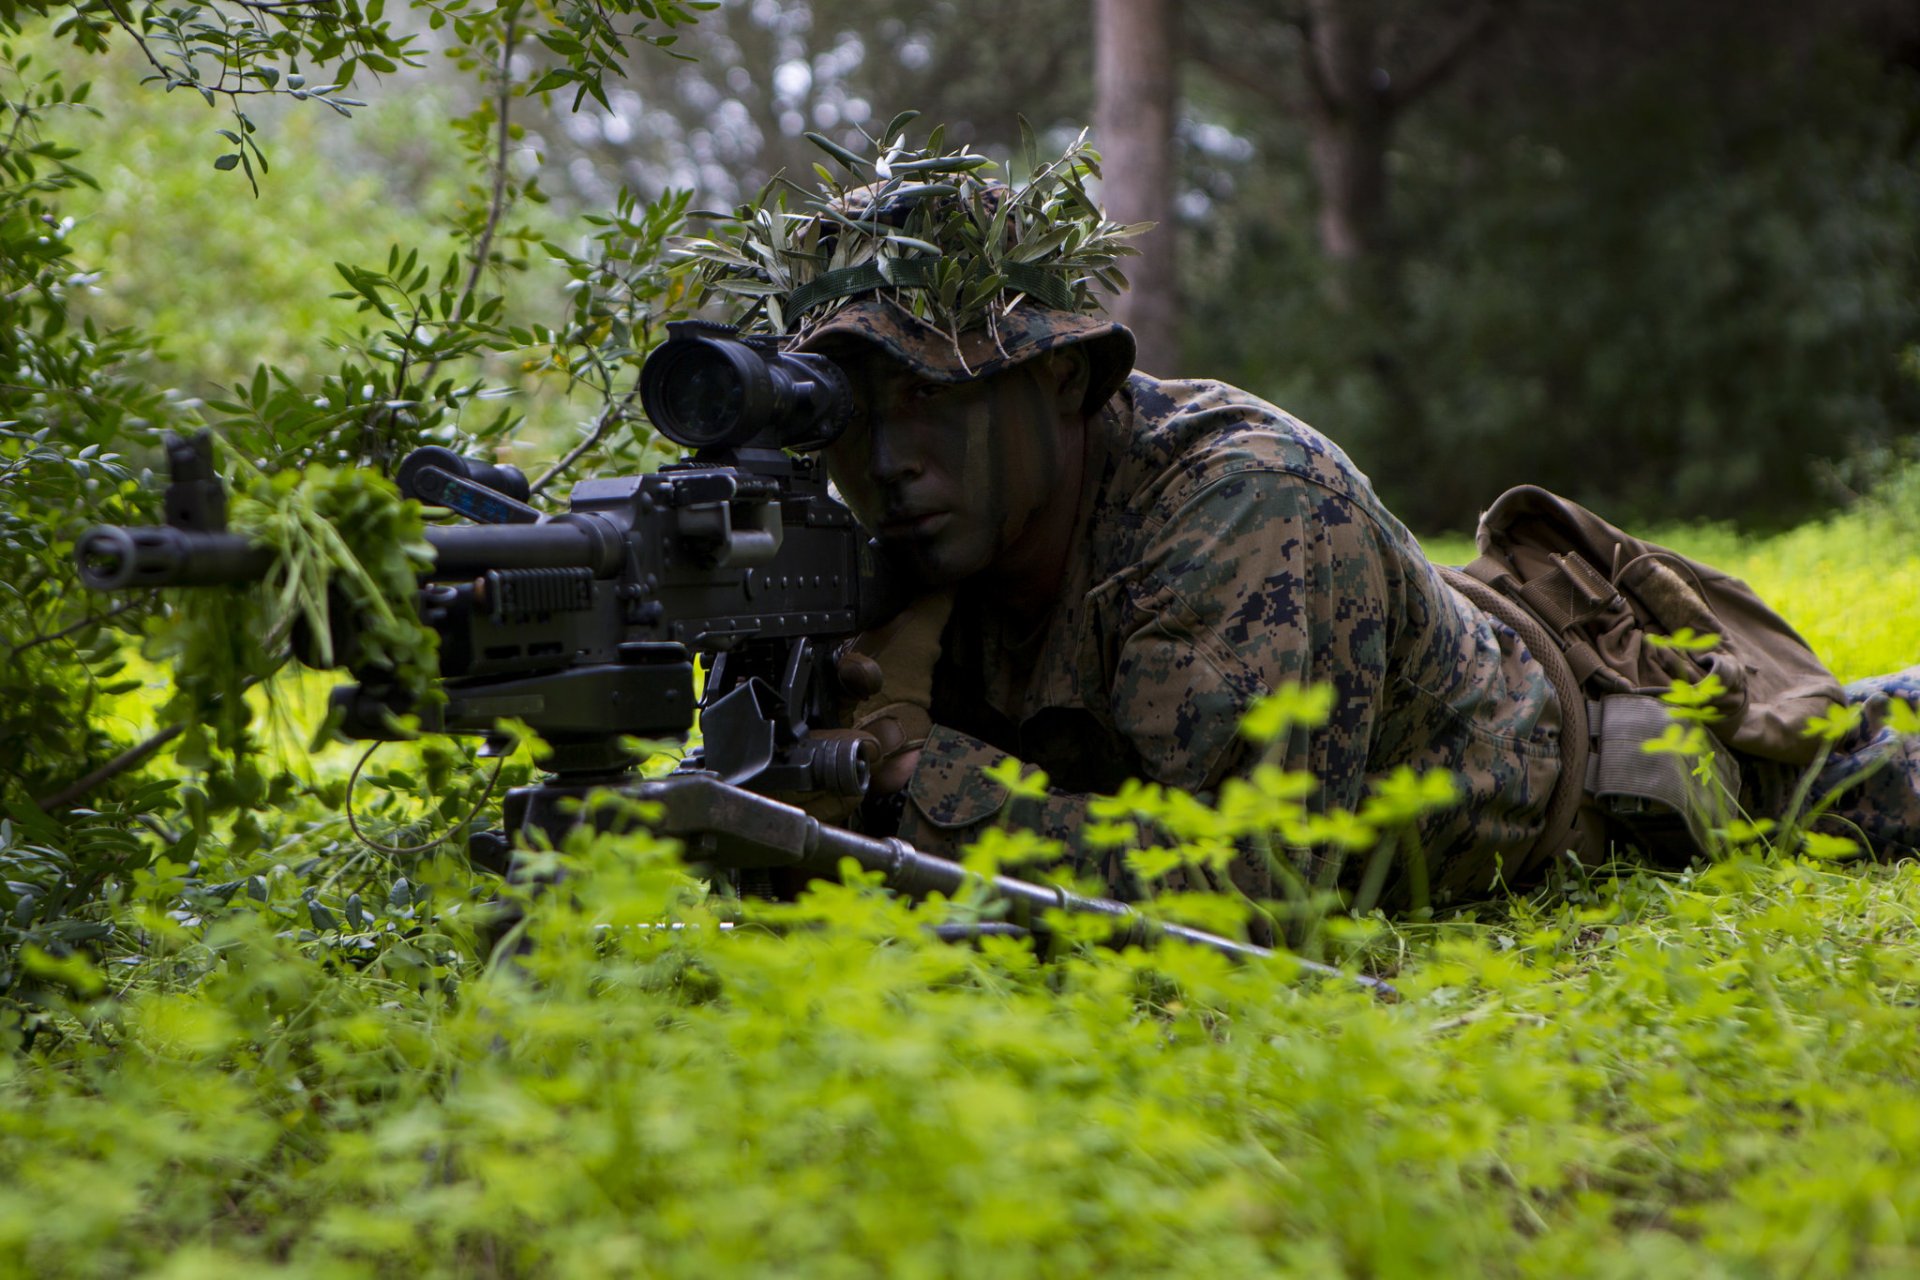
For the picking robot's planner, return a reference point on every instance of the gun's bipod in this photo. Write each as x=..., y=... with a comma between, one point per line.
x=726, y=826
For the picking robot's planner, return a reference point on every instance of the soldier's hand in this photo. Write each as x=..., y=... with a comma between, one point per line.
x=886, y=674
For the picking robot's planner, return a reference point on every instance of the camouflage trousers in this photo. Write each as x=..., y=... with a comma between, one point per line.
x=1875, y=770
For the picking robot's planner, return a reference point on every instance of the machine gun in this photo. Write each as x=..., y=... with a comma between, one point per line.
x=586, y=624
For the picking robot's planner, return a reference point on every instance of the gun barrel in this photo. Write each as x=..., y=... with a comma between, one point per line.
x=565, y=542
x=117, y=557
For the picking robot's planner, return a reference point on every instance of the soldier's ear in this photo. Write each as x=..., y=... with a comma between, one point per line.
x=1067, y=374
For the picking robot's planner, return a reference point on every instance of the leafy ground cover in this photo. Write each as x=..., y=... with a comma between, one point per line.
x=292, y=1055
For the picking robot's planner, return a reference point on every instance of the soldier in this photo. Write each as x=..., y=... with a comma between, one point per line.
x=1118, y=565
x=1132, y=562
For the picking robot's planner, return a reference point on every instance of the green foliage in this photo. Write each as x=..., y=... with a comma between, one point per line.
x=940, y=237
x=1700, y=1074
x=223, y=282
x=347, y=554
x=71, y=398
x=1673, y=300
x=80, y=406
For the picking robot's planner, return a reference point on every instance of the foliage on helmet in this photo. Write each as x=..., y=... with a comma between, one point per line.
x=926, y=228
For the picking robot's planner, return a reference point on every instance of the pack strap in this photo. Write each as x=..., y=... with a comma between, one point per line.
x=1563, y=807
x=1561, y=599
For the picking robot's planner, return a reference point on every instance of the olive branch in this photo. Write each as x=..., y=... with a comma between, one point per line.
x=926, y=228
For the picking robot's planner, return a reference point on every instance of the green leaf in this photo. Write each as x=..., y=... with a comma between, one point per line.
x=897, y=126
x=323, y=919
x=911, y=243
x=847, y=158
x=942, y=164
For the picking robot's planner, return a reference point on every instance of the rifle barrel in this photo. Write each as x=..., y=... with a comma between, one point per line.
x=755, y=830
x=118, y=557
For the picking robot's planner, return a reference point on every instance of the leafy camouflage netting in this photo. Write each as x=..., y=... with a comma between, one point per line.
x=924, y=228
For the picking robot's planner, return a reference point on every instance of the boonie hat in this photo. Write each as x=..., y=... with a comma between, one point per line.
x=1018, y=335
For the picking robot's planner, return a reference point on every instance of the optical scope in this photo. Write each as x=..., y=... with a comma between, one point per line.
x=708, y=387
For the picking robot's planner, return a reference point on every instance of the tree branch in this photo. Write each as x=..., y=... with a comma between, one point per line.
x=93, y=619
x=1450, y=52
x=131, y=758
x=128, y=759
x=608, y=416
x=497, y=200
x=1261, y=82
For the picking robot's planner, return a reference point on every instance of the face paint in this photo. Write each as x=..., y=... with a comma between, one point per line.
x=955, y=478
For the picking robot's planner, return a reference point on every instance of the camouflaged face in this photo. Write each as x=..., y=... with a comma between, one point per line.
x=1016, y=336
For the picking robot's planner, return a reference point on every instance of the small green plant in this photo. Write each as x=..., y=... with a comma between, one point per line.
x=347, y=551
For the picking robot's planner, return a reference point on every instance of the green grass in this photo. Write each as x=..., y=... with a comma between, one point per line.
x=290, y=1061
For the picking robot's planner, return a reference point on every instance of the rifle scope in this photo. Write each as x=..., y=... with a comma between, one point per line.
x=706, y=387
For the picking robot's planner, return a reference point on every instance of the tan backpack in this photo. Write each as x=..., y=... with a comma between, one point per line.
x=1574, y=585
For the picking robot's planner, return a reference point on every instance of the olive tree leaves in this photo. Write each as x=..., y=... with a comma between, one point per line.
x=935, y=229
x=231, y=51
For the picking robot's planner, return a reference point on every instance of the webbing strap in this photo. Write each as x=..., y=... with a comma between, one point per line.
x=1563, y=807
x=1570, y=593
x=922, y=273
x=1491, y=572
x=1587, y=663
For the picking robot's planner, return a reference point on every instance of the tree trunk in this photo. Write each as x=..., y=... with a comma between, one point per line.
x=1354, y=103
x=1350, y=116
x=1133, y=128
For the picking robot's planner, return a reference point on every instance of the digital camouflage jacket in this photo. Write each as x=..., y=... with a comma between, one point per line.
x=1224, y=550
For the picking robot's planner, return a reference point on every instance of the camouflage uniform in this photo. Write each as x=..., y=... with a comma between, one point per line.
x=1226, y=549
x=1875, y=770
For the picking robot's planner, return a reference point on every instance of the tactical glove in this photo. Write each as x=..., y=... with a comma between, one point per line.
x=887, y=674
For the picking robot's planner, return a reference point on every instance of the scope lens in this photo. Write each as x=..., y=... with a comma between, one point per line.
x=701, y=395
x=707, y=389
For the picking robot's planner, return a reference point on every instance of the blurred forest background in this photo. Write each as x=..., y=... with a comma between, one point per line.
x=1660, y=257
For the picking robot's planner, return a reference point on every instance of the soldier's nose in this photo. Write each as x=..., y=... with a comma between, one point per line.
x=891, y=456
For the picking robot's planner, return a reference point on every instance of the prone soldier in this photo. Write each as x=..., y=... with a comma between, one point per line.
x=1116, y=566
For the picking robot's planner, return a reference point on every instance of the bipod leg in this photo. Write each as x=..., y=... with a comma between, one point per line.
x=543, y=814
x=740, y=828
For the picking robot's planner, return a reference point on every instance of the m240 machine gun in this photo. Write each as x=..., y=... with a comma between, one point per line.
x=586, y=624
